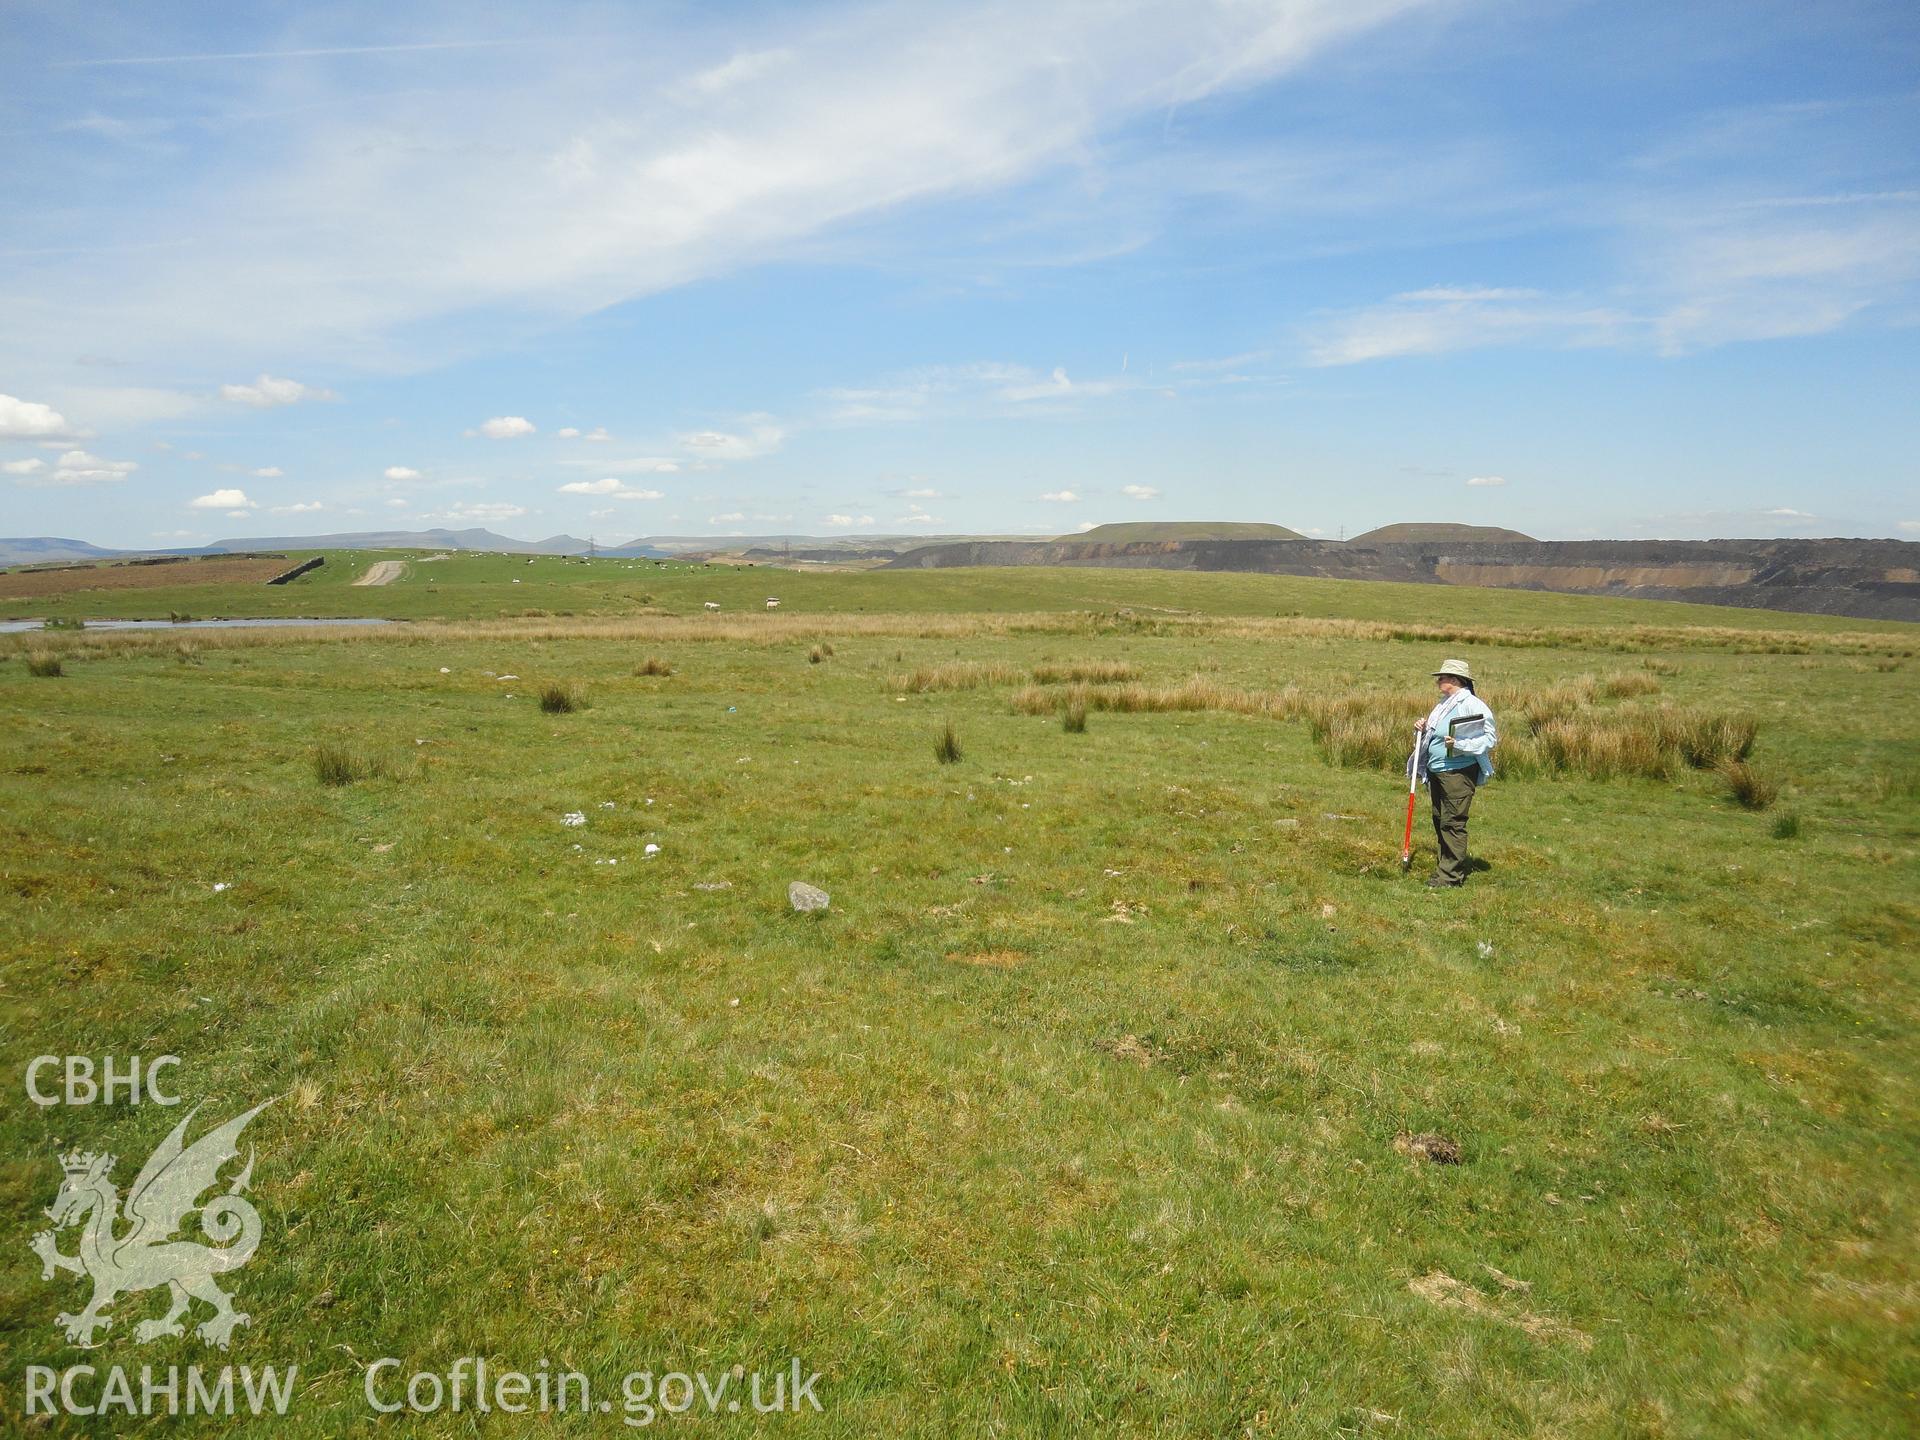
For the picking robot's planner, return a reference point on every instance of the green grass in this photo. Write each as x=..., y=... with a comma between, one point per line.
x=1085, y=1108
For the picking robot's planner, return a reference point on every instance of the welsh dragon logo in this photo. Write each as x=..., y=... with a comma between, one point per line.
x=147, y=1255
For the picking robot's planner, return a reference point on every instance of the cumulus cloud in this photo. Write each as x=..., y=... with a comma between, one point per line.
x=396, y=503
x=844, y=522
x=1083, y=527
x=1140, y=492
x=574, y=432
x=401, y=472
x=266, y=392
x=618, y=489
x=1060, y=497
x=1487, y=480
x=30, y=420
x=222, y=500
x=74, y=467
x=506, y=427
x=267, y=472
x=598, y=434
x=1910, y=525
x=568, y=432
x=304, y=507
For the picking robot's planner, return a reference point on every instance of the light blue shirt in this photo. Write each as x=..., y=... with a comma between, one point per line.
x=1469, y=751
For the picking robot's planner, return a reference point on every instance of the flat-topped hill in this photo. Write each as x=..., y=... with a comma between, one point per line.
x=1420, y=534
x=1131, y=530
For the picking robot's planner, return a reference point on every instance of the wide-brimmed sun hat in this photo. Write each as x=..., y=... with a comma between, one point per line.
x=1455, y=667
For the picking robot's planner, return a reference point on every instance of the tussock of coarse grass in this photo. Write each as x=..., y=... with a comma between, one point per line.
x=653, y=665
x=44, y=663
x=1658, y=666
x=947, y=748
x=337, y=765
x=1884, y=785
x=560, y=697
x=816, y=655
x=1626, y=684
x=1549, y=731
x=1089, y=672
x=1135, y=698
x=1752, y=789
x=1074, y=718
x=1707, y=739
x=957, y=675
x=1786, y=827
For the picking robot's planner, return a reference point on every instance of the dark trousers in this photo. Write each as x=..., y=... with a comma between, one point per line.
x=1452, y=792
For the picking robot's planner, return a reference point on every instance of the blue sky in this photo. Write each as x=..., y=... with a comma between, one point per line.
x=1582, y=269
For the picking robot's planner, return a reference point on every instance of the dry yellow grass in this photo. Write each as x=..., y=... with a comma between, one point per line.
x=212, y=570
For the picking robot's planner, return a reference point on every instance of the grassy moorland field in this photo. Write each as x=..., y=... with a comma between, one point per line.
x=1090, y=1105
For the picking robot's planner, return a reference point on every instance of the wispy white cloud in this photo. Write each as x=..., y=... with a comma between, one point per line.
x=1140, y=492
x=267, y=472
x=939, y=391
x=618, y=489
x=1060, y=497
x=478, y=512
x=638, y=465
x=374, y=206
x=303, y=507
x=1486, y=481
x=847, y=522
x=759, y=438
x=31, y=466
x=1223, y=362
x=401, y=472
x=301, y=54
x=1436, y=322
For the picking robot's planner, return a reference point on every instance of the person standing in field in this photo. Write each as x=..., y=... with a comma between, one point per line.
x=1458, y=735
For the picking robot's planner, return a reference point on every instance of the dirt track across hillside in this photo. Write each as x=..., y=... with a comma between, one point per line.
x=383, y=572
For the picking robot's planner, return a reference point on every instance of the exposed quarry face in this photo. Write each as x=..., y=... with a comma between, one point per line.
x=1871, y=579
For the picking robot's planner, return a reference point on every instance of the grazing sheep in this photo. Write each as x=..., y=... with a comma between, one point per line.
x=711, y=605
